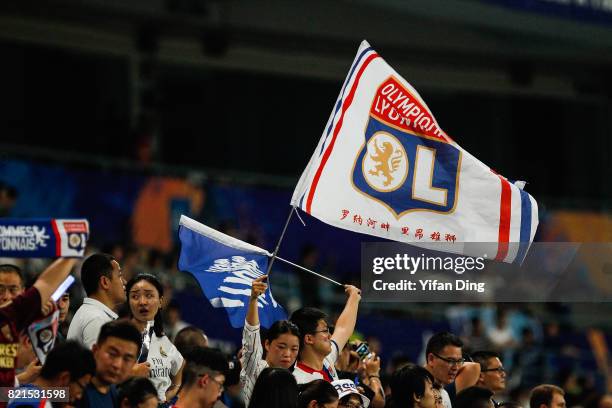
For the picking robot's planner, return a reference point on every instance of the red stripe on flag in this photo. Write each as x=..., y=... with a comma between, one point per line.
x=345, y=106
x=58, y=244
x=505, y=210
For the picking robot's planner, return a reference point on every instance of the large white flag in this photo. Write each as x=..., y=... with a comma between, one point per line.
x=384, y=167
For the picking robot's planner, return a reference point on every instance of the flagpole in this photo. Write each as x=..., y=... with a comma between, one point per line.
x=280, y=240
x=308, y=270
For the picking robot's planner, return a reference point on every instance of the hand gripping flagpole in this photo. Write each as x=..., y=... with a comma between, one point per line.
x=280, y=240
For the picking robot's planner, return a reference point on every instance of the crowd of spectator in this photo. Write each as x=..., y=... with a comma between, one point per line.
x=119, y=350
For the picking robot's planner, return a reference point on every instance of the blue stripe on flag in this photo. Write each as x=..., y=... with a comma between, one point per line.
x=339, y=104
x=525, y=227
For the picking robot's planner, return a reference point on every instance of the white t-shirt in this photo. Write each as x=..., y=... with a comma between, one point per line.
x=165, y=361
x=304, y=374
x=445, y=399
x=88, y=320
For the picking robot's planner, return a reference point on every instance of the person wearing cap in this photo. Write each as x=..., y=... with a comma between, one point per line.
x=349, y=395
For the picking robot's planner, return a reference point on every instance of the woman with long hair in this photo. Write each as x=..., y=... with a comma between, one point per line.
x=275, y=388
x=159, y=359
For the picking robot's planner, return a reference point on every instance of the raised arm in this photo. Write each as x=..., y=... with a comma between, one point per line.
x=252, y=350
x=348, y=318
x=258, y=288
x=467, y=376
x=52, y=277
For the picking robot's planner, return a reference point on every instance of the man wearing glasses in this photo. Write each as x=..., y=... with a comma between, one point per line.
x=319, y=349
x=444, y=360
x=203, y=378
x=492, y=373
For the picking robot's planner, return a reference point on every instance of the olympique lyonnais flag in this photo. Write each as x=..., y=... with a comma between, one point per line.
x=43, y=238
x=42, y=334
x=225, y=268
x=384, y=167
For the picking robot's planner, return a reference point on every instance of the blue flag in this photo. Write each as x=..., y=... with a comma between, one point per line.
x=225, y=268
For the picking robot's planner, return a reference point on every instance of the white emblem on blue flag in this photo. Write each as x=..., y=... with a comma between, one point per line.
x=238, y=284
x=225, y=268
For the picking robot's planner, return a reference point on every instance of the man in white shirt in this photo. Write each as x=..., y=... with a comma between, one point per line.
x=105, y=288
x=319, y=349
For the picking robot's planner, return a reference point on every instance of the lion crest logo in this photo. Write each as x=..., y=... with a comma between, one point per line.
x=40, y=236
x=403, y=171
x=385, y=166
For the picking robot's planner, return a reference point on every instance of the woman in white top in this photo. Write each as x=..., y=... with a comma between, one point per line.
x=281, y=345
x=159, y=359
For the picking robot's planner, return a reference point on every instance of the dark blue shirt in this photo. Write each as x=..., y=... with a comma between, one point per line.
x=92, y=398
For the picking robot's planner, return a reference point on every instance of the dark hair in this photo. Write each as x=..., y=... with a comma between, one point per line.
x=122, y=329
x=187, y=338
x=483, y=357
x=306, y=319
x=9, y=268
x=509, y=404
x=137, y=390
x=543, y=394
x=275, y=388
x=158, y=326
x=440, y=340
x=406, y=382
x=199, y=359
x=63, y=357
x=281, y=327
x=94, y=267
x=473, y=397
x=317, y=390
